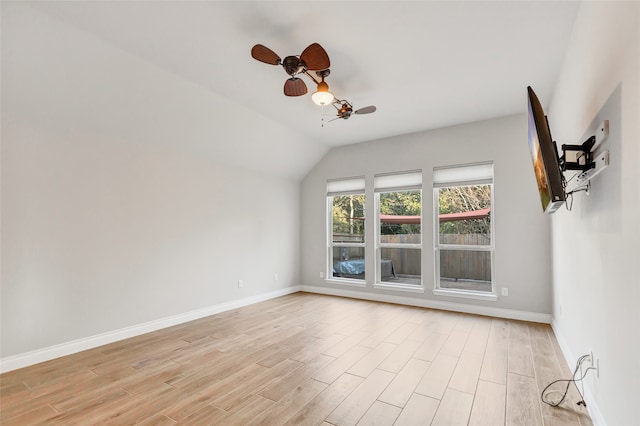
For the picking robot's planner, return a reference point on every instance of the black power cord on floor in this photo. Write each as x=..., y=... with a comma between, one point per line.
x=544, y=395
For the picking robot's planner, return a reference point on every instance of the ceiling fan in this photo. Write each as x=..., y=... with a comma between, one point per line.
x=313, y=58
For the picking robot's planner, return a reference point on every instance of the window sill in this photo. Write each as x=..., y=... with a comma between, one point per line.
x=400, y=287
x=352, y=283
x=466, y=294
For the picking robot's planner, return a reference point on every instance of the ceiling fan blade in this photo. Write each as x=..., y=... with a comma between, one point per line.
x=264, y=54
x=365, y=110
x=315, y=57
x=294, y=87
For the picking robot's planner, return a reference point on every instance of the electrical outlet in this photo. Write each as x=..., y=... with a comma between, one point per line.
x=275, y=277
x=595, y=363
x=505, y=291
x=240, y=283
x=321, y=274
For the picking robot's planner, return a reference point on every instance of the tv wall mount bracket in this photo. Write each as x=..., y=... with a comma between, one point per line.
x=578, y=157
x=584, y=160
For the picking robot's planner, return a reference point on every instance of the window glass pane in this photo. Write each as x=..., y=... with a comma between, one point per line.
x=400, y=265
x=400, y=217
x=465, y=270
x=464, y=214
x=348, y=262
x=348, y=218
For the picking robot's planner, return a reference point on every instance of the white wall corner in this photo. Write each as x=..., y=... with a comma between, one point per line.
x=46, y=354
x=570, y=359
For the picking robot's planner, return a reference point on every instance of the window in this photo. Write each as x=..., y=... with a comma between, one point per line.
x=398, y=230
x=464, y=246
x=345, y=255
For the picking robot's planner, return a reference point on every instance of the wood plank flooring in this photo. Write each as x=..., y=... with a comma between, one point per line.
x=305, y=359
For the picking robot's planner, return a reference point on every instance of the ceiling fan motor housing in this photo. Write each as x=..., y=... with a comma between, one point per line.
x=345, y=111
x=293, y=65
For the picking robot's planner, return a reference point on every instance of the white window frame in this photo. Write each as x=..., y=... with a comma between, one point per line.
x=397, y=182
x=463, y=175
x=337, y=187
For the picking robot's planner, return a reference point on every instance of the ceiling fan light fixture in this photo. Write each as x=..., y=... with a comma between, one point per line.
x=322, y=96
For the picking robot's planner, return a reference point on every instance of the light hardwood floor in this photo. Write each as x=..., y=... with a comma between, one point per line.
x=305, y=359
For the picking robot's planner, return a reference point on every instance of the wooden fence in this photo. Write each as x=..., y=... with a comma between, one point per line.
x=465, y=239
x=405, y=261
x=465, y=264
x=454, y=264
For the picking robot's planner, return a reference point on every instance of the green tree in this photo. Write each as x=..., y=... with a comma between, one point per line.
x=459, y=199
x=348, y=215
x=401, y=203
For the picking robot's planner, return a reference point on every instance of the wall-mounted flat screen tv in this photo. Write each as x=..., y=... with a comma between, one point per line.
x=544, y=155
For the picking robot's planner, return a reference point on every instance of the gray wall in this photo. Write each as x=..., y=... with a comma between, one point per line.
x=522, y=257
x=113, y=217
x=99, y=235
x=596, y=246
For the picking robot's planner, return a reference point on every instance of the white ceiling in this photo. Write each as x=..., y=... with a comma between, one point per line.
x=423, y=64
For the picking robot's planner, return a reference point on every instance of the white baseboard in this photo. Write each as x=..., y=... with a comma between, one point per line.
x=433, y=304
x=34, y=357
x=41, y=355
x=571, y=358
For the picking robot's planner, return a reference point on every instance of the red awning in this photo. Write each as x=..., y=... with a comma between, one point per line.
x=400, y=220
x=448, y=217
x=473, y=214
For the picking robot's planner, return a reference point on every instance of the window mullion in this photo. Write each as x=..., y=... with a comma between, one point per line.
x=463, y=247
x=401, y=245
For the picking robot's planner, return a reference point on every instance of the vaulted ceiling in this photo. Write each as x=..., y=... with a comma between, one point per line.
x=424, y=65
